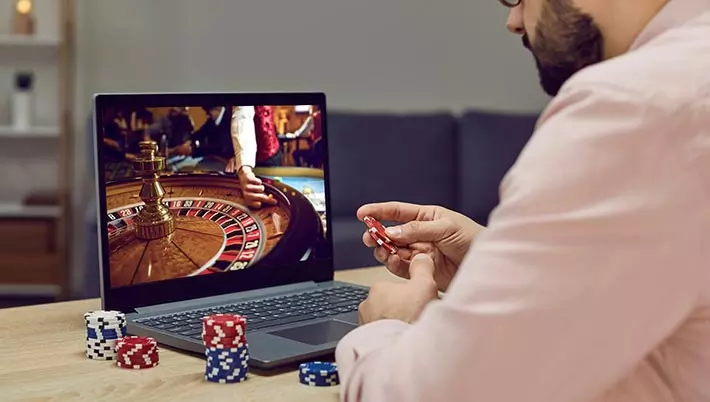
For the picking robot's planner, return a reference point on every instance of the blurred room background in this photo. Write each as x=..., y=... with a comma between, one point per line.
x=440, y=92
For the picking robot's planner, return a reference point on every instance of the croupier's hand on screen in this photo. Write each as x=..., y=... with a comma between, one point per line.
x=252, y=188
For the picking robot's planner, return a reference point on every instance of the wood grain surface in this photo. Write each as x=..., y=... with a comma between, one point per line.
x=42, y=359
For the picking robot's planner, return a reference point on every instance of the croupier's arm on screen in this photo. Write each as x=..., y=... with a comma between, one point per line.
x=589, y=262
x=243, y=137
x=244, y=141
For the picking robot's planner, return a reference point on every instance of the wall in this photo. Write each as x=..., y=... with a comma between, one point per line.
x=365, y=54
x=29, y=164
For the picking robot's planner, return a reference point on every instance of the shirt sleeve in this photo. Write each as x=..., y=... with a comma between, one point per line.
x=244, y=136
x=589, y=262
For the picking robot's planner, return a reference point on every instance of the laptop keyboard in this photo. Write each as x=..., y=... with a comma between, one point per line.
x=268, y=312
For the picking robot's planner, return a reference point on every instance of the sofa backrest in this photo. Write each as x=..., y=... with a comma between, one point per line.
x=382, y=157
x=488, y=145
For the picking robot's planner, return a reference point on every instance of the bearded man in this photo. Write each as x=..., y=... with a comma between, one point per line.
x=592, y=280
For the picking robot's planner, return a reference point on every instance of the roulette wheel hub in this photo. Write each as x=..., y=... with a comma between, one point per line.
x=155, y=220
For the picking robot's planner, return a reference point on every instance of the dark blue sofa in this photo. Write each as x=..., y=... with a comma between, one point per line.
x=433, y=158
x=438, y=158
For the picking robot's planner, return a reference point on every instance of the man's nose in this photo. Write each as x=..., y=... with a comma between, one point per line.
x=515, y=20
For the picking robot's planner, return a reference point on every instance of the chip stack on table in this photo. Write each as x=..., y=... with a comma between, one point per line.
x=137, y=352
x=103, y=329
x=318, y=374
x=224, y=336
x=377, y=232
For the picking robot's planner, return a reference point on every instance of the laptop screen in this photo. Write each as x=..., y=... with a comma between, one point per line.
x=217, y=191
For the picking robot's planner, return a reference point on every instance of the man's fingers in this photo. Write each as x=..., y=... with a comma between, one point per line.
x=398, y=266
x=390, y=211
x=380, y=255
x=421, y=267
x=368, y=240
x=419, y=231
x=394, y=263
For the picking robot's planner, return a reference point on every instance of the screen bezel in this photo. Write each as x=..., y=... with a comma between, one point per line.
x=127, y=299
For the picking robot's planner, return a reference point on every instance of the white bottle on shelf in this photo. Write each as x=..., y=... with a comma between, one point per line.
x=22, y=102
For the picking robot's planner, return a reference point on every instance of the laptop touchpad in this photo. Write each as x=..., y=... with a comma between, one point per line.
x=318, y=333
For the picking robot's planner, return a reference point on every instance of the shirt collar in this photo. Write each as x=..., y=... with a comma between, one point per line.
x=673, y=14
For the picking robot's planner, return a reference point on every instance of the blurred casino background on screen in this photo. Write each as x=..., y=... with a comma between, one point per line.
x=438, y=91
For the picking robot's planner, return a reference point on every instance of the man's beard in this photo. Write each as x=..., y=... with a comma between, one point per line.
x=566, y=41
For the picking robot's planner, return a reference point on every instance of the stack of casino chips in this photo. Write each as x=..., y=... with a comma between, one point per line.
x=224, y=336
x=318, y=374
x=136, y=352
x=103, y=329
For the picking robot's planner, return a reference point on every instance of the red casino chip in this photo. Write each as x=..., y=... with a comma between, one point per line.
x=137, y=342
x=224, y=325
x=137, y=352
x=377, y=232
x=138, y=361
x=376, y=227
x=220, y=341
x=390, y=248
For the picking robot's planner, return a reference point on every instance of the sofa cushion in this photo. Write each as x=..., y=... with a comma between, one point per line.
x=376, y=157
x=488, y=145
x=348, y=248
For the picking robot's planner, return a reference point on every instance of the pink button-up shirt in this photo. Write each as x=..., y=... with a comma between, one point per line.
x=592, y=281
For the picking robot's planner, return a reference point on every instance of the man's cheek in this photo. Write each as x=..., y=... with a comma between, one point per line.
x=532, y=12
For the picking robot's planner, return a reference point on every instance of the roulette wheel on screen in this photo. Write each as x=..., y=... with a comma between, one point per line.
x=172, y=225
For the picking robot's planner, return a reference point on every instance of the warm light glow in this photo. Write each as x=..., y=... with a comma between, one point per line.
x=23, y=6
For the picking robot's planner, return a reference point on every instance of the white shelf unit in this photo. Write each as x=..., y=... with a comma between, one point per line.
x=46, y=42
x=21, y=49
x=35, y=239
x=11, y=210
x=37, y=132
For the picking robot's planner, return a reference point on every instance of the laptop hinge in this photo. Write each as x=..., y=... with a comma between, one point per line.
x=205, y=302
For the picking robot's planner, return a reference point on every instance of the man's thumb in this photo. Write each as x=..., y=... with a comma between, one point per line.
x=416, y=231
x=421, y=266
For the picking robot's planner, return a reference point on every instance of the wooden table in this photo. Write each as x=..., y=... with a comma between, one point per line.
x=42, y=359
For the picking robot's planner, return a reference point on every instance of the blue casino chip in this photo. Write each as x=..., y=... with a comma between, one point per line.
x=226, y=366
x=92, y=333
x=318, y=374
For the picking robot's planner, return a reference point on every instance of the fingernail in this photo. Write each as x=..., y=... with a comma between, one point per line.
x=393, y=231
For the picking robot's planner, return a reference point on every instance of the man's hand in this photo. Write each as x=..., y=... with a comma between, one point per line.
x=252, y=187
x=443, y=234
x=401, y=301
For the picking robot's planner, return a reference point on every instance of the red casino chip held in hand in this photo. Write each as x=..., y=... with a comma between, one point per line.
x=377, y=232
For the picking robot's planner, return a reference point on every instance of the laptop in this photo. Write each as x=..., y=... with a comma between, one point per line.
x=180, y=239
